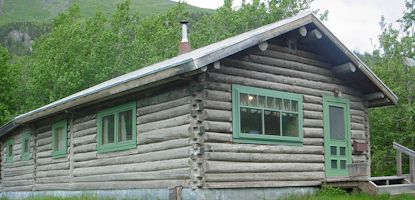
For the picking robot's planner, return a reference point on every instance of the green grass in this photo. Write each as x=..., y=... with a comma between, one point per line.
x=44, y=10
x=330, y=193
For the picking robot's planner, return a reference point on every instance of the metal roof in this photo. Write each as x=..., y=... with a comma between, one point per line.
x=188, y=62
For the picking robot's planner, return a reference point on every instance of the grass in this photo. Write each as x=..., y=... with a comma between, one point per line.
x=331, y=193
x=44, y=10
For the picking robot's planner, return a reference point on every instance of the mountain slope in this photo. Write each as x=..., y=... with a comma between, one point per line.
x=44, y=10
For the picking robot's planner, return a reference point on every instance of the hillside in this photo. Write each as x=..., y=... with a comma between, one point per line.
x=44, y=10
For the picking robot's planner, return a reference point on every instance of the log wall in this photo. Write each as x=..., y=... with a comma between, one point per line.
x=229, y=164
x=17, y=175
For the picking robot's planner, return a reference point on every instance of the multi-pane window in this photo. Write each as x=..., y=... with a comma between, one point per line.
x=25, y=149
x=266, y=116
x=59, y=139
x=117, y=128
x=9, y=151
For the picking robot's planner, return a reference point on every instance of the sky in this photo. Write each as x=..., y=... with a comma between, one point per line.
x=354, y=22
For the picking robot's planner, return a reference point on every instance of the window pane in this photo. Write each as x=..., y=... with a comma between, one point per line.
x=334, y=164
x=272, y=122
x=270, y=102
x=290, y=124
x=243, y=98
x=251, y=121
x=125, y=126
x=333, y=150
x=278, y=103
x=252, y=100
x=294, y=106
x=342, y=151
x=26, y=145
x=10, y=150
x=261, y=101
x=108, y=129
x=58, y=139
x=287, y=105
x=342, y=164
x=336, y=115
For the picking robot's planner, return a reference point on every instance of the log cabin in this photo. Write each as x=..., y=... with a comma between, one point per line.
x=280, y=109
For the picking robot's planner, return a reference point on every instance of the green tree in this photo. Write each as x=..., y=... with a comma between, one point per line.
x=394, y=123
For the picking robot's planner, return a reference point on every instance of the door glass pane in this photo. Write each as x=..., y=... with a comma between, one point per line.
x=333, y=150
x=272, y=122
x=334, y=164
x=26, y=146
x=289, y=124
x=342, y=164
x=125, y=126
x=251, y=121
x=108, y=129
x=336, y=115
x=342, y=151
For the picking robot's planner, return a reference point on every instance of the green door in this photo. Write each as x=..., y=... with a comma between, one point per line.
x=337, y=150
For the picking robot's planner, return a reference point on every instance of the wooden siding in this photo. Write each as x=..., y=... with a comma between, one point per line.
x=17, y=175
x=230, y=164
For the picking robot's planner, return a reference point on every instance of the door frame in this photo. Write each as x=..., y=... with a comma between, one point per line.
x=340, y=102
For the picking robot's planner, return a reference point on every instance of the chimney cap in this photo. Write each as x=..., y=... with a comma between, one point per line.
x=184, y=22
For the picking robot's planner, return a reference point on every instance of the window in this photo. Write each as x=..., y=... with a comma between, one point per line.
x=266, y=116
x=9, y=151
x=59, y=139
x=25, y=149
x=117, y=128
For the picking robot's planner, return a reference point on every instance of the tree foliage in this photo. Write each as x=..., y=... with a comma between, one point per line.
x=394, y=123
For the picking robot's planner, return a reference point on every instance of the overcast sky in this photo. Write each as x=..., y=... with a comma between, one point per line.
x=354, y=22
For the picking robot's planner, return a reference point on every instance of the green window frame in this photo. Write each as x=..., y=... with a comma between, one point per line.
x=9, y=150
x=59, y=139
x=25, y=146
x=284, y=107
x=117, y=128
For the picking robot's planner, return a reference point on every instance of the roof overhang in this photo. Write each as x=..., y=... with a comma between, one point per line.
x=185, y=63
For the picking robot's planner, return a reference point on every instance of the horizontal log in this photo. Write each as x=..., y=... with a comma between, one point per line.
x=212, y=85
x=313, y=123
x=85, y=148
x=138, y=158
x=52, y=173
x=217, y=115
x=219, y=127
x=16, y=173
x=85, y=156
x=128, y=184
x=46, y=147
x=21, y=177
x=44, y=141
x=180, y=173
x=164, y=114
x=301, y=53
x=15, y=183
x=163, y=106
x=57, y=166
x=312, y=114
x=217, y=137
x=218, y=95
x=83, y=140
x=57, y=179
x=313, y=132
x=19, y=163
x=52, y=187
x=50, y=160
x=255, y=148
x=261, y=184
x=163, y=134
x=264, y=157
x=18, y=188
x=87, y=131
x=166, y=96
x=218, y=105
x=167, y=123
x=83, y=119
x=357, y=126
x=292, y=57
x=231, y=167
x=313, y=141
x=313, y=107
x=133, y=167
x=344, y=68
x=276, y=176
x=91, y=123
